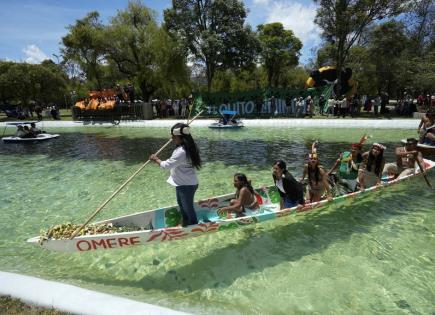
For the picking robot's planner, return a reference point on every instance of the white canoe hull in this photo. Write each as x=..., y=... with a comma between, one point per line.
x=162, y=225
x=39, y=138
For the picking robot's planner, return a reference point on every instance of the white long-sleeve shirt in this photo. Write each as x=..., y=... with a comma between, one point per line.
x=182, y=172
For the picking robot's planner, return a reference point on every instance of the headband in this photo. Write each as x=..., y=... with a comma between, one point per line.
x=183, y=130
x=380, y=146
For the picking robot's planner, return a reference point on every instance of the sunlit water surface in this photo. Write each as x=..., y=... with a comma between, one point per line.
x=376, y=255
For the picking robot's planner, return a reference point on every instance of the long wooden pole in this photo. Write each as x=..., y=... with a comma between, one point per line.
x=123, y=185
x=423, y=173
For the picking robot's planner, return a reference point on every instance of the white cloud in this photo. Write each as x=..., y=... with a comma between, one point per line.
x=261, y=2
x=297, y=17
x=34, y=54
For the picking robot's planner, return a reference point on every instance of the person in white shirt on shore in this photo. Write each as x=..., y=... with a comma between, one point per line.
x=182, y=164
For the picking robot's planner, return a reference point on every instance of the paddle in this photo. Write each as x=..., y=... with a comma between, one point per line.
x=423, y=173
x=124, y=184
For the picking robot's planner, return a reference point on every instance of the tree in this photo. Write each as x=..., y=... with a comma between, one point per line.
x=343, y=21
x=422, y=70
x=239, y=81
x=6, y=89
x=140, y=50
x=24, y=83
x=50, y=82
x=280, y=49
x=85, y=45
x=421, y=25
x=295, y=77
x=20, y=77
x=214, y=33
x=387, y=49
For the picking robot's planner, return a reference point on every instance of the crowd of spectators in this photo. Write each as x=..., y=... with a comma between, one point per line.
x=32, y=111
x=172, y=108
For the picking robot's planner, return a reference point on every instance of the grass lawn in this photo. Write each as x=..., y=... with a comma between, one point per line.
x=11, y=306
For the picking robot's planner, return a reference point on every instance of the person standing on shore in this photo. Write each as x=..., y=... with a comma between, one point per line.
x=182, y=163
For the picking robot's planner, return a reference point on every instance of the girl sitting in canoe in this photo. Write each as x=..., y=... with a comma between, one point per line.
x=290, y=190
x=348, y=166
x=427, y=130
x=317, y=177
x=371, y=168
x=245, y=196
x=182, y=164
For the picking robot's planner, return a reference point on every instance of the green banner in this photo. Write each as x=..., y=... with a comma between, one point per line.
x=255, y=102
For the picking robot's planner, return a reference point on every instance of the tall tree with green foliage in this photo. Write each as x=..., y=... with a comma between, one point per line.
x=25, y=83
x=387, y=46
x=421, y=26
x=142, y=51
x=85, y=45
x=6, y=90
x=343, y=21
x=214, y=33
x=280, y=49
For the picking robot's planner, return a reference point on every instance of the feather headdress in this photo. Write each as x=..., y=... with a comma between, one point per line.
x=313, y=154
x=361, y=142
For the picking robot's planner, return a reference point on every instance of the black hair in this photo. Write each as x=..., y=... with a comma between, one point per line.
x=377, y=160
x=189, y=145
x=246, y=183
x=281, y=164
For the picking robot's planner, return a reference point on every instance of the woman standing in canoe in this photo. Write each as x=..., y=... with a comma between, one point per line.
x=182, y=164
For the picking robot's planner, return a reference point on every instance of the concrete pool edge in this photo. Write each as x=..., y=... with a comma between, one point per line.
x=306, y=122
x=72, y=299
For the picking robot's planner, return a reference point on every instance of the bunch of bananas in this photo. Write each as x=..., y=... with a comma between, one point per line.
x=64, y=231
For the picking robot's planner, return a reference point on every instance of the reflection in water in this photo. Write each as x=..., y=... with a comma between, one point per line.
x=258, y=153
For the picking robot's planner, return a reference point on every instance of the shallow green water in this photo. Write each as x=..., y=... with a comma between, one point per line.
x=376, y=256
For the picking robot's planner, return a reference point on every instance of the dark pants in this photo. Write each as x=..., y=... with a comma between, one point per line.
x=343, y=111
x=185, y=195
x=289, y=203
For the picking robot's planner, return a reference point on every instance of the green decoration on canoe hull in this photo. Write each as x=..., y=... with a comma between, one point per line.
x=172, y=217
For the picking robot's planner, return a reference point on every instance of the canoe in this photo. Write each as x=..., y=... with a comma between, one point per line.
x=425, y=149
x=218, y=125
x=162, y=225
x=39, y=138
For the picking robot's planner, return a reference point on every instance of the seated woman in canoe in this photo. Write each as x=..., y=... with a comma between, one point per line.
x=427, y=131
x=245, y=196
x=370, y=171
x=290, y=190
x=348, y=166
x=317, y=177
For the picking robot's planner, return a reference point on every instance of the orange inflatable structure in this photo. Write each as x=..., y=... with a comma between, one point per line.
x=98, y=100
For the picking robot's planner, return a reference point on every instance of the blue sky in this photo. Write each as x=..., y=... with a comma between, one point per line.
x=31, y=31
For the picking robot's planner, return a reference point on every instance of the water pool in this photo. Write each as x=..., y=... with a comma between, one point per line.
x=374, y=256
